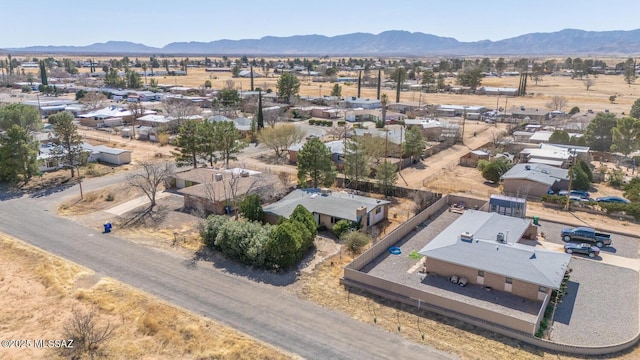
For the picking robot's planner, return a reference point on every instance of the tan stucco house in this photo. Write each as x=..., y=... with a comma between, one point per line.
x=330, y=207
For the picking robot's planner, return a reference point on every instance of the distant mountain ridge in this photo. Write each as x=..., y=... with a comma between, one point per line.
x=388, y=43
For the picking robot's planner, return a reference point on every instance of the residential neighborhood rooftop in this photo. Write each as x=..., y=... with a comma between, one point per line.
x=537, y=172
x=484, y=252
x=339, y=204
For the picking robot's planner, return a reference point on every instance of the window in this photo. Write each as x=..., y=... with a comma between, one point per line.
x=543, y=289
x=334, y=219
x=378, y=210
x=508, y=280
x=480, y=273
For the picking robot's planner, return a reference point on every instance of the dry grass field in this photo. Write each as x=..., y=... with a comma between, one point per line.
x=145, y=328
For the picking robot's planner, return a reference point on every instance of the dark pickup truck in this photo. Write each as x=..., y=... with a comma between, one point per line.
x=586, y=235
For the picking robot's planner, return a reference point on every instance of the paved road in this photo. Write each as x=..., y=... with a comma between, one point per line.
x=263, y=311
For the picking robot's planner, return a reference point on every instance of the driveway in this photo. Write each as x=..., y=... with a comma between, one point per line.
x=263, y=311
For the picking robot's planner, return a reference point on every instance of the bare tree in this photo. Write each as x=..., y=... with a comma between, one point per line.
x=340, y=131
x=557, y=102
x=178, y=108
x=93, y=100
x=88, y=337
x=150, y=177
x=589, y=82
x=271, y=117
x=230, y=84
x=280, y=138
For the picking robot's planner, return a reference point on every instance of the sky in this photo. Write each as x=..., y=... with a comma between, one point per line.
x=160, y=22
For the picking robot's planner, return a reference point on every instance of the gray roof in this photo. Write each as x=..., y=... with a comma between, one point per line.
x=537, y=172
x=483, y=252
x=339, y=204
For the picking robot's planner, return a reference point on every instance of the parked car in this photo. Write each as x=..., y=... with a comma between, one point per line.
x=582, y=248
x=588, y=235
x=580, y=193
x=612, y=199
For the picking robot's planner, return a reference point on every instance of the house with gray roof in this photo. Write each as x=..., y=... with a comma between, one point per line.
x=330, y=207
x=534, y=180
x=485, y=248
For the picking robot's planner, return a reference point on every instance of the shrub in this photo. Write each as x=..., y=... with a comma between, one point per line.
x=244, y=241
x=574, y=110
x=251, y=208
x=341, y=227
x=379, y=124
x=341, y=123
x=616, y=178
x=355, y=241
x=312, y=122
x=554, y=199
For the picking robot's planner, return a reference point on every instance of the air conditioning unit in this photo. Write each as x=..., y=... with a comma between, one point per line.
x=500, y=238
x=466, y=236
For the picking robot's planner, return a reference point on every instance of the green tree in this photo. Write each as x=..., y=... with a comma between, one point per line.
x=260, y=116
x=387, y=175
x=71, y=152
x=207, y=84
x=501, y=66
x=305, y=217
x=133, y=80
x=315, y=164
x=626, y=135
x=635, y=109
x=228, y=98
x=336, y=90
x=413, y=143
x=251, y=208
x=283, y=245
x=43, y=73
x=471, y=77
x=559, y=137
x=632, y=190
x=229, y=140
x=356, y=160
x=630, y=71
x=206, y=142
x=188, y=144
x=599, y=132
x=585, y=167
x=493, y=170
x=288, y=85
x=18, y=155
x=280, y=138
x=580, y=180
x=24, y=116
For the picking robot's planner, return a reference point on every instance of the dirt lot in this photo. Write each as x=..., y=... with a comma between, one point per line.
x=145, y=328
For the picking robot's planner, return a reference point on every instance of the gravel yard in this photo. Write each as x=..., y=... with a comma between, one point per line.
x=601, y=305
x=624, y=246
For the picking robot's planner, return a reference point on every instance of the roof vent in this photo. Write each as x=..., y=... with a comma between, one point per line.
x=527, y=167
x=466, y=236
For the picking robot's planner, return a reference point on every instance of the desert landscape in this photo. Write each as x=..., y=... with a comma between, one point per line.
x=148, y=328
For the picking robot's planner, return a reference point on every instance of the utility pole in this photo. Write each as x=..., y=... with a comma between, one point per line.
x=572, y=157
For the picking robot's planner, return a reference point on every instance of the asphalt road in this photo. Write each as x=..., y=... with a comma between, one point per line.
x=263, y=311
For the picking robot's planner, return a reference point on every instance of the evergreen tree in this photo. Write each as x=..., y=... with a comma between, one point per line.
x=260, y=116
x=43, y=73
x=229, y=140
x=387, y=175
x=356, y=161
x=414, y=143
x=635, y=109
x=315, y=164
x=18, y=155
x=626, y=135
x=188, y=144
x=251, y=208
x=598, y=135
x=288, y=86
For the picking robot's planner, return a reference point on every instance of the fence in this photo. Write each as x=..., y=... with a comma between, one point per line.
x=519, y=329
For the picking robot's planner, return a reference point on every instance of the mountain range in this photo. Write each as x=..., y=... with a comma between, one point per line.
x=388, y=43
